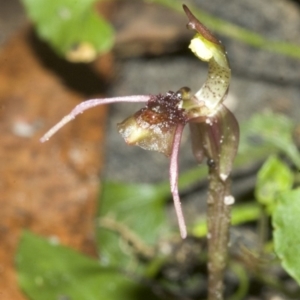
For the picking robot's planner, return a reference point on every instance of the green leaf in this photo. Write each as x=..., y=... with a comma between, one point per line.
x=273, y=177
x=140, y=210
x=47, y=271
x=269, y=132
x=286, y=224
x=71, y=25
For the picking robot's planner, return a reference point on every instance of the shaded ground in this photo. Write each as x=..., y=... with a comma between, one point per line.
x=52, y=188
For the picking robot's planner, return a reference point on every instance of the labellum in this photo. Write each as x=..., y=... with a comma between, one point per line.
x=153, y=127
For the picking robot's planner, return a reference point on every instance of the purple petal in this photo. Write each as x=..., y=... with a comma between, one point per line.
x=174, y=180
x=80, y=108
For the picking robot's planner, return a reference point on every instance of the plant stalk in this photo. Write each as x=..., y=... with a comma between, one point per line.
x=218, y=223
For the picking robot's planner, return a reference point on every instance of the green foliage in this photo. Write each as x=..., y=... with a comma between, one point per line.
x=69, y=25
x=286, y=223
x=49, y=271
x=139, y=209
x=274, y=177
x=273, y=132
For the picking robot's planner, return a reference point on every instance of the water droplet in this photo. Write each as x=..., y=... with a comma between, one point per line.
x=229, y=200
x=211, y=163
x=223, y=176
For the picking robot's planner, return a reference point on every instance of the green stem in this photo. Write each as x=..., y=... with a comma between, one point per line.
x=218, y=219
x=262, y=230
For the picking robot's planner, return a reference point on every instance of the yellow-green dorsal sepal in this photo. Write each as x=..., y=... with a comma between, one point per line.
x=200, y=48
x=208, y=48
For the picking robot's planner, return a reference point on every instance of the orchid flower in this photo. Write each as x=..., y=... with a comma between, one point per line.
x=159, y=125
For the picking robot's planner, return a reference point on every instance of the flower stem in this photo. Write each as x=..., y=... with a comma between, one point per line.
x=218, y=219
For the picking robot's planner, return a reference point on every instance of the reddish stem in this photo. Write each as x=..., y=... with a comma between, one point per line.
x=218, y=219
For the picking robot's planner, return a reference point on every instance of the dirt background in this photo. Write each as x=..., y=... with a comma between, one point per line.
x=53, y=188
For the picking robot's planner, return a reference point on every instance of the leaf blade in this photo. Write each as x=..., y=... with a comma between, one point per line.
x=286, y=225
x=50, y=271
x=69, y=25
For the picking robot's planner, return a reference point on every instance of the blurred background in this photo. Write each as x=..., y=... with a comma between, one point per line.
x=53, y=188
